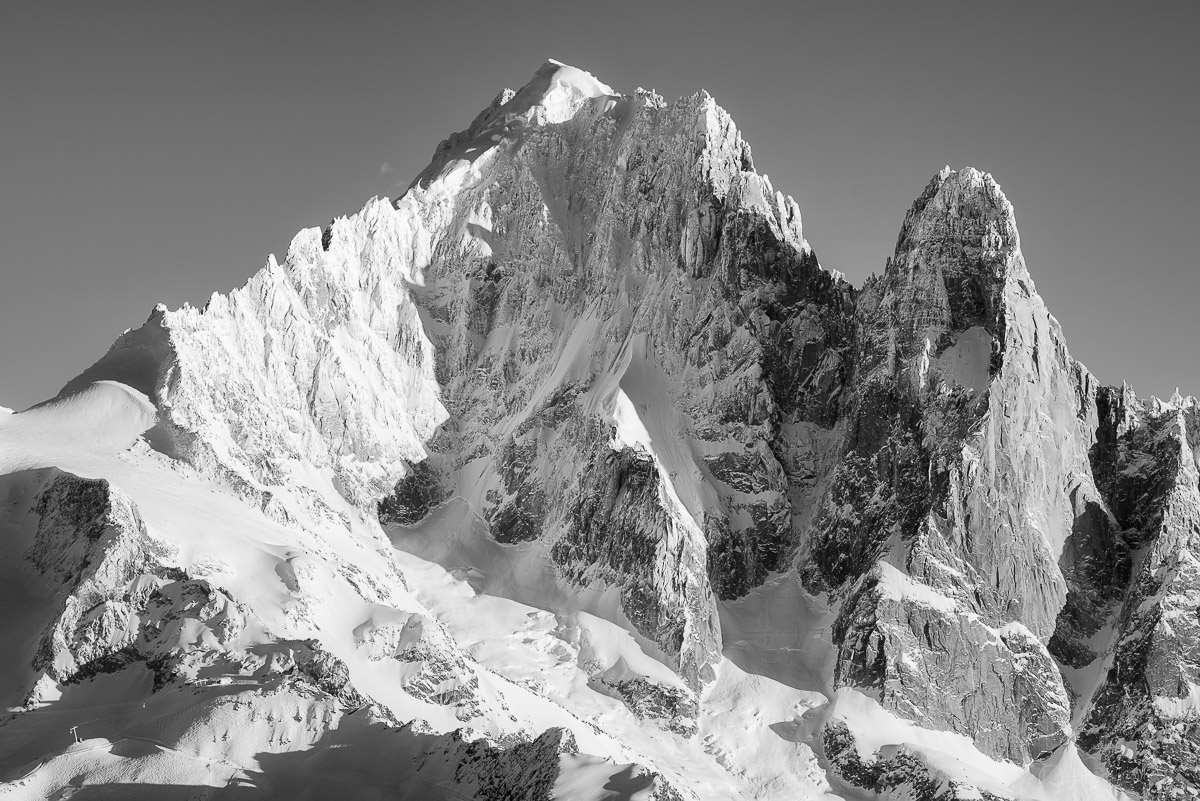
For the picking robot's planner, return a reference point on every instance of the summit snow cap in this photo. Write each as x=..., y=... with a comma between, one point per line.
x=556, y=92
x=553, y=95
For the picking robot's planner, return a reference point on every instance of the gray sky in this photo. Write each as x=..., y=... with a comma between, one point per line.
x=150, y=154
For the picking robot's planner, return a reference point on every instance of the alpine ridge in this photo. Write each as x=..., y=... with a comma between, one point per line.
x=572, y=474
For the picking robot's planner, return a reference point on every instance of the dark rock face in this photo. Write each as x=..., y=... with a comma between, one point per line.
x=924, y=449
x=755, y=487
x=904, y=775
x=522, y=772
x=527, y=771
x=614, y=529
x=329, y=674
x=1096, y=564
x=414, y=497
x=520, y=510
x=675, y=708
x=1142, y=716
x=91, y=542
x=78, y=522
x=442, y=675
x=1007, y=694
x=950, y=587
x=631, y=254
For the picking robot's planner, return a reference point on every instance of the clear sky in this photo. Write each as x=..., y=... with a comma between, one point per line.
x=158, y=152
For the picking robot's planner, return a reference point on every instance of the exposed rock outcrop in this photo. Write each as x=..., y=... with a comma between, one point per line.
x=1143, y=717
x=965, y=443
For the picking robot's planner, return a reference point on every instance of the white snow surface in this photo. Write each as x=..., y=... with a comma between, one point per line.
x=342, y=588
x=554, y=95
x=533, y=666
x=105, y=416
x=898, y=586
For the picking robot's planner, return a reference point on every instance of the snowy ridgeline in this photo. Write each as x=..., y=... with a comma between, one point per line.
x=572, y=474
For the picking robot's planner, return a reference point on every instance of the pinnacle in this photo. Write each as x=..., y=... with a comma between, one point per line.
x=962, y=204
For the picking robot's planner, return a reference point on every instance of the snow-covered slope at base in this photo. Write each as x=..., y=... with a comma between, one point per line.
x=554, y=655
x=336, y=587
x=535, y=670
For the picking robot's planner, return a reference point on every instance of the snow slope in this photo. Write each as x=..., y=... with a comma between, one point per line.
x=104, y=416
x=340, y=588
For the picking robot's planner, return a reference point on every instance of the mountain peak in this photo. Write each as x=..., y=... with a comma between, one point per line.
x=553, y=95
x=963, y=193
x=976, y=185
x=966, y=210
x=957, y=251
x=557, y=89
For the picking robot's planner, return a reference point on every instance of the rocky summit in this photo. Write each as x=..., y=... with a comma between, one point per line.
x=572, y=474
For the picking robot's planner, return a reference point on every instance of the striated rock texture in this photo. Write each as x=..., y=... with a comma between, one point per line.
x=637, y=351
x=1144, y=718
x=964, y=459
x=92, y=543
x=1008, y=541
x=593, y=332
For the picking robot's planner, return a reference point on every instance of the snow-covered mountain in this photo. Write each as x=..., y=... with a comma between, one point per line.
x=572, y=474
